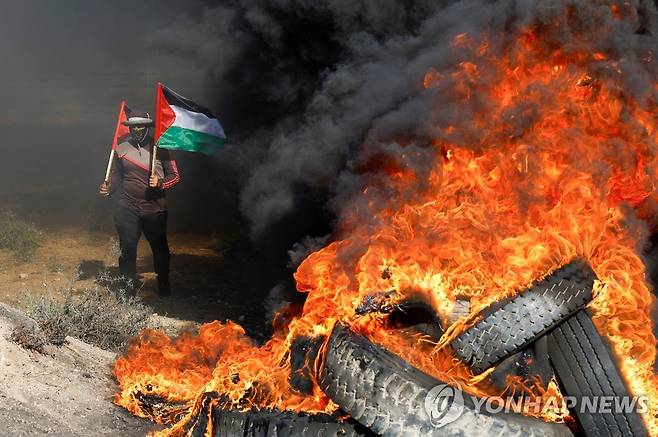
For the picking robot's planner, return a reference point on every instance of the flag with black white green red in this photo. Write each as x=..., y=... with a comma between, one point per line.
x=181, y=124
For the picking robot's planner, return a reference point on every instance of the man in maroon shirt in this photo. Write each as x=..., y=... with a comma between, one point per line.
x=142, y=205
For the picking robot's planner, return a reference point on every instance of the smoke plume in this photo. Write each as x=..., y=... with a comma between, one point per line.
x=319, y=95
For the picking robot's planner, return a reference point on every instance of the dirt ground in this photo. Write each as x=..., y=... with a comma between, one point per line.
x=210, y=280
x=68, y=390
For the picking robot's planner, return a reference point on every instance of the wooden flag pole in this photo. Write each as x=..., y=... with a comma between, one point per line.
x=153, y=156
x=109, y=165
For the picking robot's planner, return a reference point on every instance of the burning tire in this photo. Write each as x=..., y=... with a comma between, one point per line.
x=388, y=396
x=507, y=327
x=213, y=420
x=585, y=367
x=231, y=423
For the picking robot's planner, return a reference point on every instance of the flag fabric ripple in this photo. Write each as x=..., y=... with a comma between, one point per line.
x=181, y=124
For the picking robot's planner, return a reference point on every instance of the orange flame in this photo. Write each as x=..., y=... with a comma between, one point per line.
x=554, y=167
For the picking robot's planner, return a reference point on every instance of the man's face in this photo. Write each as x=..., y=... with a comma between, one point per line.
x=138, y=133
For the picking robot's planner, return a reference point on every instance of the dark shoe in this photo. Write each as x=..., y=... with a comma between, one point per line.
x=164, y=289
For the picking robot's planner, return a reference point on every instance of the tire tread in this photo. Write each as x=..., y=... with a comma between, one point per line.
x=584, y=366
x=509, y=326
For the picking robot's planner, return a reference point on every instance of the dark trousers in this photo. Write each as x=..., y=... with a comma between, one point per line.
x=130, y=226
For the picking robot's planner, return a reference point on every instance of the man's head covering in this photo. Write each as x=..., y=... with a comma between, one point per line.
x=139, y=118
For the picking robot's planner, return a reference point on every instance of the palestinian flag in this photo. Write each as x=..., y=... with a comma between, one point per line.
x=121, y=131
x=181, y=124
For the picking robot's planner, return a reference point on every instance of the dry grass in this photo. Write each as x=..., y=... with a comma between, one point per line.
x=20, y=237
x=106, y=316
x=29, y=336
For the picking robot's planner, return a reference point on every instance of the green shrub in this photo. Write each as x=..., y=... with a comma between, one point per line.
x=20, y=237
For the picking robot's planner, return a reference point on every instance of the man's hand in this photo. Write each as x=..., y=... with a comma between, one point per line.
x=154, y=181
x=104, y=190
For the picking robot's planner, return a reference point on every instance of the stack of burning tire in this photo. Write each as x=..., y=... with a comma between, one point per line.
x=551, y=313
x=382, y=394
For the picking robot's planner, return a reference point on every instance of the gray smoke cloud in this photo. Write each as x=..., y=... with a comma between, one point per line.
x=327, y=71
x=318, y=92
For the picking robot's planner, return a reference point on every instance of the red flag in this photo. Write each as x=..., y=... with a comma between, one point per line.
x=121, y=131
x=164, y=116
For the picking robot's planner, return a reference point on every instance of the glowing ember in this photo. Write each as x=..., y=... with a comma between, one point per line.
x=548, y=158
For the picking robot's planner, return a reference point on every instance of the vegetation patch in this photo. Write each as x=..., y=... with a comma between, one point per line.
x=18, y=236
x=107, y=316
x=29, y=336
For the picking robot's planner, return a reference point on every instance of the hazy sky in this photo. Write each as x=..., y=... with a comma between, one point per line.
x=65, y=66
x=67, y=60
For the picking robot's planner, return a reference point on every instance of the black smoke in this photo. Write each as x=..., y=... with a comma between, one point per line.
x=318, y=95
x=301, y=85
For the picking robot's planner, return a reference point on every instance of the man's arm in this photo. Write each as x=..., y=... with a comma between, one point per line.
x=171, y=175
